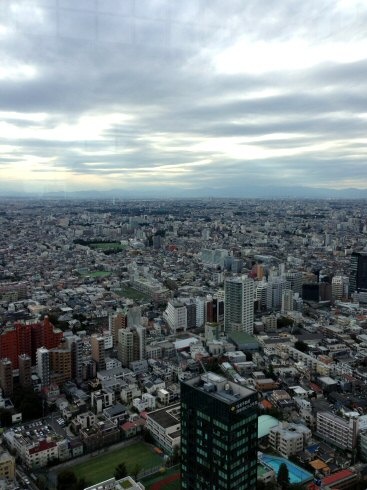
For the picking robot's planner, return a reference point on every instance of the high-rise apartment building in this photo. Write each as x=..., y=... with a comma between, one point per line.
x=214, y=309
x=125, y=352
x=200, y=311
x=98, y=351
x=43, y=366
x=24, y=338
x=239, y=305
x=131, y=345
x=60, y=364
x=218, y=434
x=25, y=370
x=117, y=321
x=44, y=334
x=75, y=344
x=6, y=376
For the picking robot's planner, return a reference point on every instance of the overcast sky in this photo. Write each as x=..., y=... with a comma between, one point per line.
x=182, y=94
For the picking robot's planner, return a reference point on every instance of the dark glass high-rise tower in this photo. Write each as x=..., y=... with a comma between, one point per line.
x=218, y=434
x=358, y=272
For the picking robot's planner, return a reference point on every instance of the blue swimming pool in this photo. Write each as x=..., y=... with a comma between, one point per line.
x=296, y=473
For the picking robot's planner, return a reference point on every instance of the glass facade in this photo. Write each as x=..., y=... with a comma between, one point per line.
x=358, y=272
x=218, y=440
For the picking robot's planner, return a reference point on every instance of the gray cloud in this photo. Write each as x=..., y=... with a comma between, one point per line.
x=154, y=62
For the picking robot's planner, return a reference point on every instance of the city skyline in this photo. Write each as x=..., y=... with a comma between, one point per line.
x=187, y=99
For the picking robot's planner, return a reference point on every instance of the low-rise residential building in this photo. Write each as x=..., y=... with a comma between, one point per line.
x=146, y=402
x=102, y=399
x=117, y=414
x=165, y=427
x=7, y=465
x=129, y=391
x=101, y=434
x=38, y=445
x=131, y=428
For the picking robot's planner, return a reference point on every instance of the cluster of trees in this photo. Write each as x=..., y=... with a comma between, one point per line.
x=67, y=480
x=121, y=471
x=284, y=321
x=28, y=402
x=301, y=346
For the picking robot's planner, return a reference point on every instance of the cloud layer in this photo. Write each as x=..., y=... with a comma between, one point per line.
x=163, y=93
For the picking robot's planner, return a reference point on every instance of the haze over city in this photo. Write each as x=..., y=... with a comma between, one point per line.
x=256, y=98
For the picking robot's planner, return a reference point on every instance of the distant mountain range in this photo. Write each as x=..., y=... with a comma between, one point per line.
x=180, y=193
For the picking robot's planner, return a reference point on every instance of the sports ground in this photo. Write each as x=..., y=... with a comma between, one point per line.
x=102, y=467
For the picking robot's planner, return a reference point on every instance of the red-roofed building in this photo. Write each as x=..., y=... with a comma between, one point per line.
x=39, y=455
x=131, y=429
x=316, y=388
x=266, y=404
x=341, y=480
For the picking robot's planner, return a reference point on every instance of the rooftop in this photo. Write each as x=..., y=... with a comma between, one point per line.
x=166, y=417
x=265, y=423
x=219, y=387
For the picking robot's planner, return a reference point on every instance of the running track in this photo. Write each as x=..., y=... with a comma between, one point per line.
x=161, y=484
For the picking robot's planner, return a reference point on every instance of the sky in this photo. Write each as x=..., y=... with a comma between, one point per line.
x=182, y=95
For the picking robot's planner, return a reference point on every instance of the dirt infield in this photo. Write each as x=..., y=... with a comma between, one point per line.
x=162, y=483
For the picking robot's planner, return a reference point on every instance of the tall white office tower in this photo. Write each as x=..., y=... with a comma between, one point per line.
x=239, y=305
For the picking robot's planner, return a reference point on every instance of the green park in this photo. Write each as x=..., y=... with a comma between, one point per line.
x=107, y=246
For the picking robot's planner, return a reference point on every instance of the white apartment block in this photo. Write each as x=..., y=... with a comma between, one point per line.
x=176, y=316
x=289, y=439
x=310, y=362
x=165, y=427
x=342, y=433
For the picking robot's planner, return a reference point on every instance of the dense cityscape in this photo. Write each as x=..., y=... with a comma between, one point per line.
x=208, y=343
x=183, y=245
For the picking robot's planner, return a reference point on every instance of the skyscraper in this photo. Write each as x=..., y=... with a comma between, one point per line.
x=239, y=305
x=218, y=434
x=358, y=272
